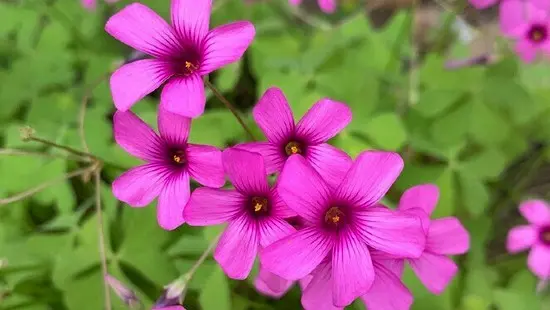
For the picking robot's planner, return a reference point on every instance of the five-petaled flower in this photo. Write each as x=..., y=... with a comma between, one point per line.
x=182, y=54
x=342, y=224
x=171, y=161
x=327, y=6
x=255, y=212
x=528, y=22
x=536, y=236
x=307, y=138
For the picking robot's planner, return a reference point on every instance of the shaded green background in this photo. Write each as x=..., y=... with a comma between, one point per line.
x=481, y=134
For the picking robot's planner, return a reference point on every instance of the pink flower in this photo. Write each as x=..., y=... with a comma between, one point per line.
x=445, y=236
x=341, y=224
x=535, y=236
x=482, y=4
x=91, y=4
x=171, y=161
x=182, y=54
x=308, y=138
x=528, y=23
x=254, y=211
x=327, y=6
x=271, y=285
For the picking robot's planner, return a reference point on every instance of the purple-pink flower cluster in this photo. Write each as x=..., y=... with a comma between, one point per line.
x=321, y=223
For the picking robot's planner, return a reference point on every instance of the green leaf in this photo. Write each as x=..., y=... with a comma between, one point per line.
x=386, y=131
x=216, y=127
x=475, y=196
x=488, y=126
x=512, y=300
x=451, y=128
x=215, y=293
x=433, y=102
x=447, y=194
x=488, y=164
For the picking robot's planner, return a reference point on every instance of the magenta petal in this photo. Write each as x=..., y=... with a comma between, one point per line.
x=271, y=285
x=521, y=238
x=136, y=137
x=535, y=212
x=140, y=185
x=191, y=18
x=324, y=120
x=330, y=162
x=274, y=117
x=237, y=247
x=482, y=4
x=89, y=4
x=318, y=292
x=141, y=28
x=327, y=6
x=295, y=256
x=133, y=81
x=170, y=308
x=212, y=206
x=387, y=291
x=396, y=266
x=246, y=171
x=391, y=232
x=526, y=51
x=421, y=196
x=294, y=2
x=172, y=201
x=184, y=96
x=303, y=189
x=352, y=270
x=173, y=128
x=273, y=229
x=434, y=271
x=538, y=260
x=205, y=165
x=370, y=177
x=279, y=207
x=226, y=44
x=447, y=236
x=513, y=17
x=274, y=158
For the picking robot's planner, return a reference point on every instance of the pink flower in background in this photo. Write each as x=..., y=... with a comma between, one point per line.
x=341, y=223
x=445, y=236
x=535, y=235
x=254, y=211
x=271, y=285
x=182, y=54
x=327, y=6
x=528, y=23
x=483, y=4
x=91, y=4
x=308, y=138
x=171, y=161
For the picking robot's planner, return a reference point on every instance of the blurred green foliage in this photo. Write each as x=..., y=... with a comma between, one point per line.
x=467, y=128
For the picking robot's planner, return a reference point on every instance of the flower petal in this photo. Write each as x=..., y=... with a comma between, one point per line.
x=318, y=292
x=482, y=4
x=331, y=163
x=246, y=171
x=136, y=137
x=140, y=185
x=535, y=212
x=513, y=18
x=370, y=177
x=172, y=200
x=184, y=96
x=327, y=6
x=352, y=270
x=132, y=82
x=294, y=2
x=205, y=165
x=226, y=44
x=324, y=120
x=296, y=256
x=279, y=207
x=273, y=115
x=173, y=128
x=89, y=4
x=538, y=260
x=526, y=51
x=139, y=27
x=274, y=159
x=271, y=285
x=191, y=18
x=212, y=206
x=423, y=196
x=395, y=233
x=521, y=238
x=303, y=189
x=434, y=271
x=447, y=236
x=237, y=247
x=387, y=291
x=273, y=229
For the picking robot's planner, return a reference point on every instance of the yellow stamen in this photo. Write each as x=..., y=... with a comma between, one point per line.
x=335, y=219
x=292, y=148
x=257, y=207
x=177, y=159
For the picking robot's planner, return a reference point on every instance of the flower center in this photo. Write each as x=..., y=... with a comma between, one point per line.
x=544, y=235
x=259, y=205
x=178, y=157
x=334, y=217
x=537, y=33
x=292, y=148
x=189, y=67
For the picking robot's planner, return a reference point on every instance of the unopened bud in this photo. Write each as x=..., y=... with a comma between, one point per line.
x=127, y=295
x=172, y=294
